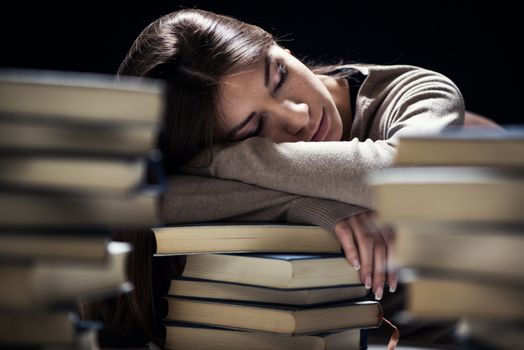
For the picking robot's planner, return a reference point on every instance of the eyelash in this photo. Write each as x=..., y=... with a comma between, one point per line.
x=259, y=128
x=283, y=77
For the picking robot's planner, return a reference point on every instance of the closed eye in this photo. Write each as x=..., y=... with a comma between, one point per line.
x=282, y=69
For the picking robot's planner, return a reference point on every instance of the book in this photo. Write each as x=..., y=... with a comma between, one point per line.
x=76, y=138
x=464, y=146
x=476, y=194
x=273, y=270
x=79, y=96
x=69, y=246
x=72, y=173
x=193, y=337
x=50, y=328
x=259, y=237
x=54, y=210
x=490, y=334
x=276, y=319
x=230, y=291
x=42, y=284
x=448, y=297
x=486, y=251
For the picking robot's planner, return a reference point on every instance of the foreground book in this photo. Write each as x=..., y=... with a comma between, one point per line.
x=70, y=246
x=259, y=237
x=60, y=329
x=286, y=271
x=452, y=297
x=471, y=146
x=76, y=96
x=45, y=283
x=76, y=138
x=54, y=210
x=485, y=251
x=72, y=173
x=194, y=337
x=475, y=194
x=230, y=291
x=276, y=319
x=491, y=334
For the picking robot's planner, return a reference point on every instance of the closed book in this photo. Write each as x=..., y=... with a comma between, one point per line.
x=464, y=146
x=259, y=237
x=475, y=194
x=72, y=173
x=46, y=283
x=53, y=210
x=68, y=246
x=61, y=329
x=77, y=138
x=79, y=96
x=448, y=297
x=230, y=291
x=286, y=271
x=276, y=319
x=487, y=251
x=195, y=337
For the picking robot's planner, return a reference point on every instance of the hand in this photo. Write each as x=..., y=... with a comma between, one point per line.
x=368, y=249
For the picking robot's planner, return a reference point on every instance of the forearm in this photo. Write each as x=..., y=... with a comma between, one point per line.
x=190, y=199
x=331, y=170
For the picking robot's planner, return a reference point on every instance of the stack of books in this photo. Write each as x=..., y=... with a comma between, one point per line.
x=263, y=286
x=75, y=149
x=456, y=203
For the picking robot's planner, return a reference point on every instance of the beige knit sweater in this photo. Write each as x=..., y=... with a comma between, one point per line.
x=317, y=183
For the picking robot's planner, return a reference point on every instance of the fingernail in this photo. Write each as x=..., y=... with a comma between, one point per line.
x=367, y=283
x=379, y=292
x=393, y=287
x=356, y=264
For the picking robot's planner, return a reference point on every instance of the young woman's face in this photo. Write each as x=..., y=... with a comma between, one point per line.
x=279, y=98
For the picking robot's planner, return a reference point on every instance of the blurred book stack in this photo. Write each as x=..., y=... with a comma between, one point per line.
x=263, y=286
x=77, y=151
x=456, y=203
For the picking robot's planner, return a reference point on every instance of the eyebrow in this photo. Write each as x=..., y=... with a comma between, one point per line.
x=231, y=134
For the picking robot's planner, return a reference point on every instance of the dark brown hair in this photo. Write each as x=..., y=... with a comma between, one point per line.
x=192, y=50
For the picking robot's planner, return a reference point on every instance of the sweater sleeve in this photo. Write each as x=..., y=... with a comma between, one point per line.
x=393, y=101
x=190, y=199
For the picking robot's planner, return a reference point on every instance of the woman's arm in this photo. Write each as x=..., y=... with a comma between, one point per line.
x=190, y=199
x=392, y=102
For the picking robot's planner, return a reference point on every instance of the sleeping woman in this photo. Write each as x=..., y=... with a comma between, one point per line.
x=254, y=134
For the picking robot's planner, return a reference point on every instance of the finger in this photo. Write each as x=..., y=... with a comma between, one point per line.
x=382, y=237
x=364, y=242
x=344, y=235
x=387, y=234
x=392, y=277
x=392, y=271
x=379, y=266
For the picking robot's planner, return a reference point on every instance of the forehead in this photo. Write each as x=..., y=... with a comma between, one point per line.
x=241, y=83
x=240, y=92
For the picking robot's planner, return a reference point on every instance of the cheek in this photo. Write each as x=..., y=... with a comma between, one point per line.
x=309, y=88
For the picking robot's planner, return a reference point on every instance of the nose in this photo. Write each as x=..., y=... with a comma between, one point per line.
x=294, y=117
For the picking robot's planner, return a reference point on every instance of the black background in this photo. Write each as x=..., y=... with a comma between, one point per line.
x=476, y=44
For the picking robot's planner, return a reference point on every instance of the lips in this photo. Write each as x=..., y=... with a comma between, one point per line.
x=322, y=128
